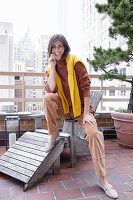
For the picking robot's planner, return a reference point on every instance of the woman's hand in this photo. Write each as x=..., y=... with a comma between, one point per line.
x=88, y=118
x=52, y=60
x=51, y=78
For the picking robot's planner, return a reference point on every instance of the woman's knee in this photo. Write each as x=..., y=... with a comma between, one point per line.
x=94, y=134
x=48, y=97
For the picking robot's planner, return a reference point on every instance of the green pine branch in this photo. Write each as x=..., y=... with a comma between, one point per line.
x=107, y=61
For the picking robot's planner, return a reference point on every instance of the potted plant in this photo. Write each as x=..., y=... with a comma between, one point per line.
x=123, y=121
x=121, y=12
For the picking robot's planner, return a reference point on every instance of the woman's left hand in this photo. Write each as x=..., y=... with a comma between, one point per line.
x=88, y=118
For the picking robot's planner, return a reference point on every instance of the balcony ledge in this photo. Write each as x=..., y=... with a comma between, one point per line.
x=22, y=115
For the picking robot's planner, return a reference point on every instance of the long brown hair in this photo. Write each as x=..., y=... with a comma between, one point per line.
x=60, y=37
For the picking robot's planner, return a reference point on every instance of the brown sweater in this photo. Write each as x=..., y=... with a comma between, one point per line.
x=82, y=81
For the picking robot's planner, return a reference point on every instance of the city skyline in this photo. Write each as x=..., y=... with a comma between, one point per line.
x=42, y=17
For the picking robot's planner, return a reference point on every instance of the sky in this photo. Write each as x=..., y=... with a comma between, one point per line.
x=42, y=17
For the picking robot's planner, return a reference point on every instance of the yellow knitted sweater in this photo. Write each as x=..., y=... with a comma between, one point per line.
x=71, y=60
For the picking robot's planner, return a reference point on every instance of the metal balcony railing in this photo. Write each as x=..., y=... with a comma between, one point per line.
x=36, y=81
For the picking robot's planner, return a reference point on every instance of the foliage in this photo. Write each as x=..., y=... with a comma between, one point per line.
x=121, y=12
x=125, y=111
x=107, y=61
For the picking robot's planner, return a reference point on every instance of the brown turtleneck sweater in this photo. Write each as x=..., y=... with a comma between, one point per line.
x=82, y=81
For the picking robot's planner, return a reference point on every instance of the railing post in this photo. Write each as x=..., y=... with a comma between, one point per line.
x=23, y=94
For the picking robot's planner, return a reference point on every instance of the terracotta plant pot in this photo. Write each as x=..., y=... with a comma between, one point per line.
x=123, y=123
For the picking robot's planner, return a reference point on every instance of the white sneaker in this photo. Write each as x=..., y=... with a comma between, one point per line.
x=109, y=190
x=49, y=145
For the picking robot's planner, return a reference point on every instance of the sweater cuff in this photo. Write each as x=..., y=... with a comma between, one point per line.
x=47, y=88
x=86, y=93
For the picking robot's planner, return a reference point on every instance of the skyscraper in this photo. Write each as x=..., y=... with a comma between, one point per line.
x=6, y=58
x=42, y=52
x=25, y=52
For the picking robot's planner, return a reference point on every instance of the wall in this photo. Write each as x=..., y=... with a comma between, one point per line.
x=104, y=121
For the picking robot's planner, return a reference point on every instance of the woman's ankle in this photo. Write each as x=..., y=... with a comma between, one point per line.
x=54, y=136
x=103, y=180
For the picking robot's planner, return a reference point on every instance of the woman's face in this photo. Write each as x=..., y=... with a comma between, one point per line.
x=58, y=49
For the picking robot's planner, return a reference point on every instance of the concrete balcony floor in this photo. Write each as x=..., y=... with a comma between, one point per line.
x=77, y=183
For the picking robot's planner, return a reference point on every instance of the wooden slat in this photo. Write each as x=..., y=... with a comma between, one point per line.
x=40, y=139
x=44, y=131
x=22, y=158
x=32, y=146
x=30, y=141
x=16, y=168
x=29, y=150
x=95, y=97
x=14, y=174
x=25, y=154
x=38, y=134
x=19, y=163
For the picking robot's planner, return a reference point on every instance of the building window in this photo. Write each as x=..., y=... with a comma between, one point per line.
x=111, y=108
x=104, y=93
x=123, y=71
x=44, y=56
x=122, y=92
x=111, y=91
x=17, y=78
x=104, y=108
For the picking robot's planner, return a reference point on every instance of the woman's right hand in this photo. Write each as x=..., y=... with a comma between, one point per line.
x=52, y=60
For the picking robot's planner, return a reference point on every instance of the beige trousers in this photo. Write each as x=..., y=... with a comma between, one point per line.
x=53, y=108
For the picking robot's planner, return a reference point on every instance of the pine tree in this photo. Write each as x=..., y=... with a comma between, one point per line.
x=121, y=12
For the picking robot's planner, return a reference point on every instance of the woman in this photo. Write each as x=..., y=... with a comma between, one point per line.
x=68, y=96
